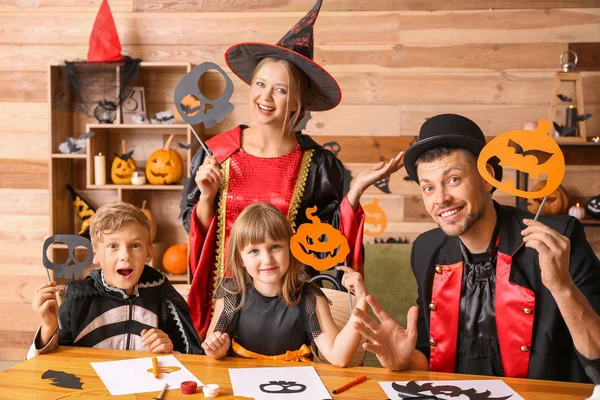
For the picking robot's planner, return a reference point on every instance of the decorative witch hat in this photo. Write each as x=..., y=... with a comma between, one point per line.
x=105, y=45
x=85, y=211
x=296, y=47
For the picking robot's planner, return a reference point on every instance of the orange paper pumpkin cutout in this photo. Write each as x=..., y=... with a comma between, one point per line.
x=318, y=244
x=375, y=218
x=164, y=370
x=531, y=152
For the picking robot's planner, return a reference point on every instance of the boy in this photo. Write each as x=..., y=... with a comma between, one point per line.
x=126, y=305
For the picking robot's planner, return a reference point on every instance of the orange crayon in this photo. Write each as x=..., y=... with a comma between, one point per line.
x=350, y=384
x=155, y=367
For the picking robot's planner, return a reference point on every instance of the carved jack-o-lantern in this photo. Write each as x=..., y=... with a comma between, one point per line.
x=123, y=167
x=556, y=203
x=593, y=207
x=375, y=218
x=164, y=166
x=318, y=244
x=532, y=152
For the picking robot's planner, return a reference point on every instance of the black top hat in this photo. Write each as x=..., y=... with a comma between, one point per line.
x=296, y=47
x=447, y=130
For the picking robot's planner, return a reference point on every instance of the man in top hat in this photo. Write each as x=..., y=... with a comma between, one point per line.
x=486, y=304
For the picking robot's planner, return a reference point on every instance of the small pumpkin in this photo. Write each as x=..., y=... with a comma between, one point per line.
x=593, y=207
x=175, y=259
x=165, y=166
x=375, y=218
x=318, y=244
x=557, y=202
x=152, y=221
x=123, y=167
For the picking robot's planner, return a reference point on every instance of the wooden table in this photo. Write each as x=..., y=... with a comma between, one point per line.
x=23, y=381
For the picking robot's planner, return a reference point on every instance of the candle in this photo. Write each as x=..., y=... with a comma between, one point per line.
x=138, y=178
x=99, y=170
x=577, y=211
x=571, y=116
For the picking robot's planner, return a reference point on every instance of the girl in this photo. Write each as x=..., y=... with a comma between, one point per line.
x=270, y=161
x=267, y=310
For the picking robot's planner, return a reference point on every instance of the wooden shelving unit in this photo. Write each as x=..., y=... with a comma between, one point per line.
x=159, y=81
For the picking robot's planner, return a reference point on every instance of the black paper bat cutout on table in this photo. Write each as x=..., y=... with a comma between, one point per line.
x=63, y=379
x=413, y=389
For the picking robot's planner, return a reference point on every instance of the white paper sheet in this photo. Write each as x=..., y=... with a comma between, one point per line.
x=132, y=376
x=292, y=383
x=455, y=390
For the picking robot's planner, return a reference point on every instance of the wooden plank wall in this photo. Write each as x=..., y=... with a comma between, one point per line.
x=397, y=61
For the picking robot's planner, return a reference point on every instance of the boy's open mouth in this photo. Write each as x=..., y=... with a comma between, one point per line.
x=125, y=272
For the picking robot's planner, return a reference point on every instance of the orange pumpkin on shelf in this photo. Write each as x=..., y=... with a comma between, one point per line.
x=175, y=259
x=557, y=202
x=123, y=167
x=318, y=244
x=165, y=166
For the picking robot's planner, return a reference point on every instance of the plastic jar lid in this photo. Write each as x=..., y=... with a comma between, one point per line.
x=188, y=387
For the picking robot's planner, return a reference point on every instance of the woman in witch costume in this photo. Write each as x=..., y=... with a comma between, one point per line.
x=270, y=162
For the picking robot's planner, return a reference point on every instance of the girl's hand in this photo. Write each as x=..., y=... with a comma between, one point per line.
x=156, y=341
x=217, y=345
x=209, y=178
x=354, y=282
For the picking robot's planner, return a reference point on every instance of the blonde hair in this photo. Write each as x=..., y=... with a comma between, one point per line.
x=297, y=84
x=112, y=217
x=255, y=224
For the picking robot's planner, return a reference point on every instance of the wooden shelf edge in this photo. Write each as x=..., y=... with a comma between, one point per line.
x=590, y=222
x=68, y=156
x=136, y=126
x=136, y=187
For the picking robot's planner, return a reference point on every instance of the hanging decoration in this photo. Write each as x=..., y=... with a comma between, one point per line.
x=98, y=86
x=84, y=210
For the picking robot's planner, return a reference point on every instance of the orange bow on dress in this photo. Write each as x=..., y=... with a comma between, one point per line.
x=295, y=355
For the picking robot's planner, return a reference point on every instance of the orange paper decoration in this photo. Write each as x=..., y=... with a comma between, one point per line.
x=531, y=152
x=317, y=244
x=375, y=218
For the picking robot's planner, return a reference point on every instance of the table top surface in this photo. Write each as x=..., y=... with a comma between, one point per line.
x=23, y=381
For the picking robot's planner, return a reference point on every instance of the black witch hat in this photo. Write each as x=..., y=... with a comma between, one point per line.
x=296, y=47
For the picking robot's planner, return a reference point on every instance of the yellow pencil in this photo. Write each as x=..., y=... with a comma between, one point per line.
x=155, y=366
